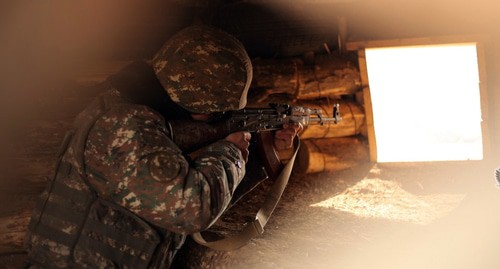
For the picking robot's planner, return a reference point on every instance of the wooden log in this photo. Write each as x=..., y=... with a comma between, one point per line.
x=12, y=231
x=330, y=75
x=352, y=123
x=329, y=155
x=29, y=170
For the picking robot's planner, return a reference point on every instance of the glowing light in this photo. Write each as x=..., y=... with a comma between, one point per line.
x=426, y=102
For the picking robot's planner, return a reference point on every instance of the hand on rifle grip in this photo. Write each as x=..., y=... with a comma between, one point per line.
x=283, y=139
x=242, y=141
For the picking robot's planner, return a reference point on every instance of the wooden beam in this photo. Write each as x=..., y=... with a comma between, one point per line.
x=372, y=141
x=483, y=94
x=421, y=41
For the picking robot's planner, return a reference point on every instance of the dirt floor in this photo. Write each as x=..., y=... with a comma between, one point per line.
x=439, y=215
x=404, y=216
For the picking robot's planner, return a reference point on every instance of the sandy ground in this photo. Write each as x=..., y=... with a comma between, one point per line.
x=443, y=215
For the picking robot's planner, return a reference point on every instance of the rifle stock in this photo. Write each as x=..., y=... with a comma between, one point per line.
x=192, y=135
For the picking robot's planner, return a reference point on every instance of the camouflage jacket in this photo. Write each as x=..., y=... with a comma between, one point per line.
x=130, y=159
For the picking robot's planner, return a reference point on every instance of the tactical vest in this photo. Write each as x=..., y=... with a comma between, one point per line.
x=72, y=227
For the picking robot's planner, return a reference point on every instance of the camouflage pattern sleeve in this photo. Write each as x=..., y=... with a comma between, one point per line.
x=131, y=160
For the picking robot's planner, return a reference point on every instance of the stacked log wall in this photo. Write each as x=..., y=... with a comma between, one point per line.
x=319, y=84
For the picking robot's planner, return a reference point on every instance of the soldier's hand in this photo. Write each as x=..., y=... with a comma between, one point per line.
x=242, y=141
x=283, y=139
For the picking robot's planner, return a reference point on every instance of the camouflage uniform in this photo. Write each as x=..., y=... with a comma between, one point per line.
x=129, y=161
x=124, y=194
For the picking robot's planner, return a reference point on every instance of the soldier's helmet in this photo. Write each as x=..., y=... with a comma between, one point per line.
x=204, y=70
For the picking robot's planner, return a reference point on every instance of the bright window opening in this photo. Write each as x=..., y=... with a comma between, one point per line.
x=426, y=102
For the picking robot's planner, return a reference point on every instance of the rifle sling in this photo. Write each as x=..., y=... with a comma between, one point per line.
x=256, y=227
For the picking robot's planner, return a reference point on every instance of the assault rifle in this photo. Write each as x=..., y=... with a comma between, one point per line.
x=254, y=120
x=260, y=122
x=273, y=118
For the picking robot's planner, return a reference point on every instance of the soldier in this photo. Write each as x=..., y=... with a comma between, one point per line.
x=124, y=194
